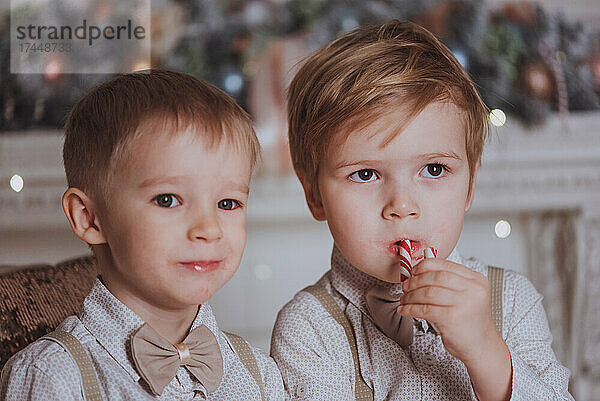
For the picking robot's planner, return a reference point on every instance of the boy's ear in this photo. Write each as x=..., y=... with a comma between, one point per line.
x=313, y=199
x=82, y=215
x=472, y=188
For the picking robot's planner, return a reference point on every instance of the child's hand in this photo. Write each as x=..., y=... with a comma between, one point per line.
x=457, y=301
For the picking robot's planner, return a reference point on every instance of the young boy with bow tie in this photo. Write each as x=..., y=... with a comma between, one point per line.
x=158, y=165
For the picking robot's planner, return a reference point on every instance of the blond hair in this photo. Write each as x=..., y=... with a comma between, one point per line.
x=100, y=127
x=352, y=81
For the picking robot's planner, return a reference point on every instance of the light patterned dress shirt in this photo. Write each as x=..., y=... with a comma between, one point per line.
x=44, y=370
x=315, y=360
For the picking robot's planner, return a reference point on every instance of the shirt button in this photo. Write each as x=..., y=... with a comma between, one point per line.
x=301, y=390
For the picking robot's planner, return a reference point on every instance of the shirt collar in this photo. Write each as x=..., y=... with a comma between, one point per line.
x=112, y=323
x=353, y=284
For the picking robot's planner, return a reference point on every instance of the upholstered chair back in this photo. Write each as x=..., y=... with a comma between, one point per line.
x=35, y=299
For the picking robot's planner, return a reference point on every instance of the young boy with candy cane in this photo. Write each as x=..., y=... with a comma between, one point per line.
x=386, y=132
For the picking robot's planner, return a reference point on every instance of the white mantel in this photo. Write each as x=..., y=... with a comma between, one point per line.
x=556, y=166
x=553, y=168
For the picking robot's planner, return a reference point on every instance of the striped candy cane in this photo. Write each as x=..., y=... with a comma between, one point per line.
x=430, y=253
x=405, y=258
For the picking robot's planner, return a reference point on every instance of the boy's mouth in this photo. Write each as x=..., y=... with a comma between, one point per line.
x=416, y=247
x=202, y=266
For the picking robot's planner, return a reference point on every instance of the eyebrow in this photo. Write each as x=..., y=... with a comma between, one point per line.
x=448, y=155
x=150, y=182
x=344, y=163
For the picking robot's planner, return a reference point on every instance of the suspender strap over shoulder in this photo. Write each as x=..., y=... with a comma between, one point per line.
x=496, y=279
x=90, y=388
x=362, y=391
x=245, y=354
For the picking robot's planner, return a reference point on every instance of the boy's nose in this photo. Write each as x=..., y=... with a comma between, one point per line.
x=205, y=227
x=401, y=205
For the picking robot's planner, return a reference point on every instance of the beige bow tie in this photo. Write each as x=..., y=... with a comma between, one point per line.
x=382, y=307
x=157, y=360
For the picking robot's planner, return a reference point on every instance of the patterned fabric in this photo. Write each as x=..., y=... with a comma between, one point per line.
x=89, y=381
x=43, y=371
x=316, y=362
x=362, y=391
x=244, y=352
x=35, y=299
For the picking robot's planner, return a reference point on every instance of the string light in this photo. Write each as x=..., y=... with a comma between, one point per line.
x=233, y=83
x=52, y=70
x=16, y=183
x=461, y=57
x=263, y=272
x=502, y=229
x=497, y=117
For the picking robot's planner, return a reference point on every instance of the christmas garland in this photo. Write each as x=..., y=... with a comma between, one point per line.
x=525, y=61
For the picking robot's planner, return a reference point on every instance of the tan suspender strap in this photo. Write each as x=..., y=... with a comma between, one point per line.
x=362, y=391
x=495, y=277
x=247, y=357
x=89, y=382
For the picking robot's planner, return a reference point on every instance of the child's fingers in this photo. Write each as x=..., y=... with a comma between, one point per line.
x=432, y=295
x=431, y=313
x=427, y=265
x=438, y=278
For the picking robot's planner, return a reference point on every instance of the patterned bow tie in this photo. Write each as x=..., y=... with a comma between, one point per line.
x=382, y=306
x=157, y=360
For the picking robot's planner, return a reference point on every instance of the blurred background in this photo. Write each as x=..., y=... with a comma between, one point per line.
x=536, y=208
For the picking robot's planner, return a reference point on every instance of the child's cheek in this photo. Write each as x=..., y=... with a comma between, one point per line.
x=206, y=293
x=230, y=267
x=444, y=237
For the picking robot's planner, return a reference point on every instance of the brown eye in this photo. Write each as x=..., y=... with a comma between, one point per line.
x=166, y=200
x=366, y=175
x=228, y=204
x=434, y=170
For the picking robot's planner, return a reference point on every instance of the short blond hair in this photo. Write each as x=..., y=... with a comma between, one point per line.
x=352, y=81
x=102, y=125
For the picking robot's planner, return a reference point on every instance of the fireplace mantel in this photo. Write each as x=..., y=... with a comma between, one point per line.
x=556, y=166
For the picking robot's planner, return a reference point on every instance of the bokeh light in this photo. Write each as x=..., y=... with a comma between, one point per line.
x=497, y=117
x=502, y=229
x=16, y=183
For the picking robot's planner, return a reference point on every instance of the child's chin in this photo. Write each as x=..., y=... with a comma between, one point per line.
x=388, y=278
x=388, y=273
x=394, y=281
x=199, y=295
